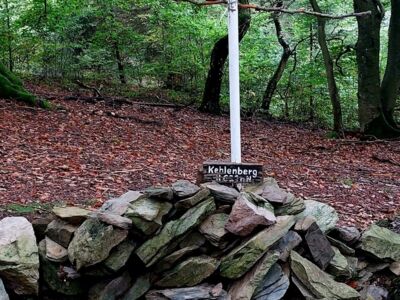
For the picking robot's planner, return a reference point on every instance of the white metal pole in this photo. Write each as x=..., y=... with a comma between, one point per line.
x=234, y=84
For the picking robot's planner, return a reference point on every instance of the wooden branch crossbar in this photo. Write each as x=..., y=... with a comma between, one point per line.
x=281, y=10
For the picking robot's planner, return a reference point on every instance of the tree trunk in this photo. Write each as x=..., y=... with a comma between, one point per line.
x=276, y=77
x=372, y=121
x=311, y=113
x=375, y=102
x=121, y=69
x=9, y=39
x=391, y=80
x=332, y=86
x=219, y=54
x=45, y=9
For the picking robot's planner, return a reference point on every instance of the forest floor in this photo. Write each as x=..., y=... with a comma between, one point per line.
x=86, y=153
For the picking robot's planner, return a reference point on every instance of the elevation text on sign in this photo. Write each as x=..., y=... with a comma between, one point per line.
x=232, y=173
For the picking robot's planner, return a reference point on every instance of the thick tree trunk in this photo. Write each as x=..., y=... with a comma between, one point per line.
x=276, y=77
x=219, y=54
x=328, y=62
x=121, y=70
x=212, y=88
x=367, y=49
x=391, y=80
x=376, y=102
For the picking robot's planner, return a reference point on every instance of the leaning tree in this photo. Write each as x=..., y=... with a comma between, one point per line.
x=219, y=55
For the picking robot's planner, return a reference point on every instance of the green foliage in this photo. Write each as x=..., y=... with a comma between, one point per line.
x=15, y=208
x=168, y=44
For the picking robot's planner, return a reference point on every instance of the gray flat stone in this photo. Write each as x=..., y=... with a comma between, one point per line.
x=61, y=232
x=237, y=262
x=146, y=208
x=258, y=188
x=221, y=192
x=346, y=234
x=273, y=286
x=19, y=259
x=155, y=248
x=184, y=189
x=3, y=292
x=319, y=246
x=395, y=268
x=147, y=214
x=245, y=287
x=318, y=282
x=160, y=192
x=339, y=265
x=112, y=290
x=292, y=206
x=213, y=229
x=344, y=249
x=373, y=292
x=381, y=242
x=249, y=212
x=325, y=215
x=71, y=214
x=189, y=272
x=119, y=205
x=112, y=219
x=169, y=261
x=139, y=287
x=119, y=256
x=271, y=191
x=55, y=252
x=187, y=203
x=200, y=292
x=304, y=223
x=286, y=244
x=92, y=243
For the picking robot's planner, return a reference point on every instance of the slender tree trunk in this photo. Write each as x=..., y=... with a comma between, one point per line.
x=367, y=50
x=311, y=62
x=276, y=77
x=9, y=39
x=121, y=69
x=332, y=86
x=219, y=54
x=391, y=80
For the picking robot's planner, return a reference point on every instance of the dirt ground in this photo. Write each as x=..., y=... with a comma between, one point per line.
x=87, y=153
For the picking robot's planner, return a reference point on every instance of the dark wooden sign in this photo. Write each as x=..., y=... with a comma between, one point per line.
x=226, y=172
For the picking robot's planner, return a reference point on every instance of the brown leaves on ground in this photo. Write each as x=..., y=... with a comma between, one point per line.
x=84, y=153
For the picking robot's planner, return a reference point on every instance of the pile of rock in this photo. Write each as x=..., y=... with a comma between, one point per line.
x=191, y=242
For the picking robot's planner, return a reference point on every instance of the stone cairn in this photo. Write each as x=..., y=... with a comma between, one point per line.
x=190, y=242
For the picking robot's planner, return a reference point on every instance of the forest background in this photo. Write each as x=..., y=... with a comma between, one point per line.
x=143, y=45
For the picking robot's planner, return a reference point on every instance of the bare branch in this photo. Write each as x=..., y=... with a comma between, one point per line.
x=204, y=3
x=280, y=9
x=305, y=12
